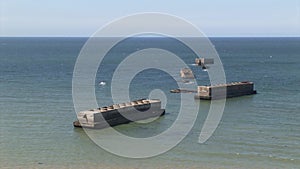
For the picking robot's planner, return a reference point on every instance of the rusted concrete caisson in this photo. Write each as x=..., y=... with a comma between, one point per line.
x=225, y=90
x=119, y=114
x=203, y=62
x=186, y=73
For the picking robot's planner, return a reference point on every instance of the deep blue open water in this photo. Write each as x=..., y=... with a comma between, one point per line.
x=258, y=131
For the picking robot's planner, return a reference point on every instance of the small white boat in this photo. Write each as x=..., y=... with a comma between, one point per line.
x=102, y=83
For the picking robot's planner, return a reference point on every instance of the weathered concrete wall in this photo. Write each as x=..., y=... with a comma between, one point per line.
x=119, y=114
x=225, y=90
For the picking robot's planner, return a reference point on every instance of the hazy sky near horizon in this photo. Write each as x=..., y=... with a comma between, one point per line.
x=214, y=18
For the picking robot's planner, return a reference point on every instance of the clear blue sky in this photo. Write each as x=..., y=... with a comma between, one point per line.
x=213, y=17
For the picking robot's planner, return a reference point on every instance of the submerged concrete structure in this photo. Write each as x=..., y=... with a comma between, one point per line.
x=225, y=90
x=119, y=114
x=186, y=73
x=203, y=62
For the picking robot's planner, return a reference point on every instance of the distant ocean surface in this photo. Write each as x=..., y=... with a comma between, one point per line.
x=258, y=131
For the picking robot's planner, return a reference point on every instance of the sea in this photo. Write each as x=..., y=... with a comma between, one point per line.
x=255, y=131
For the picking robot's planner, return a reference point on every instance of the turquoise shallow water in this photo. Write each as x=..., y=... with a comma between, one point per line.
x=259, y=131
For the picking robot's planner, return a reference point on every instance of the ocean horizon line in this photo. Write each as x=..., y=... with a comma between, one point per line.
x=149, y=37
